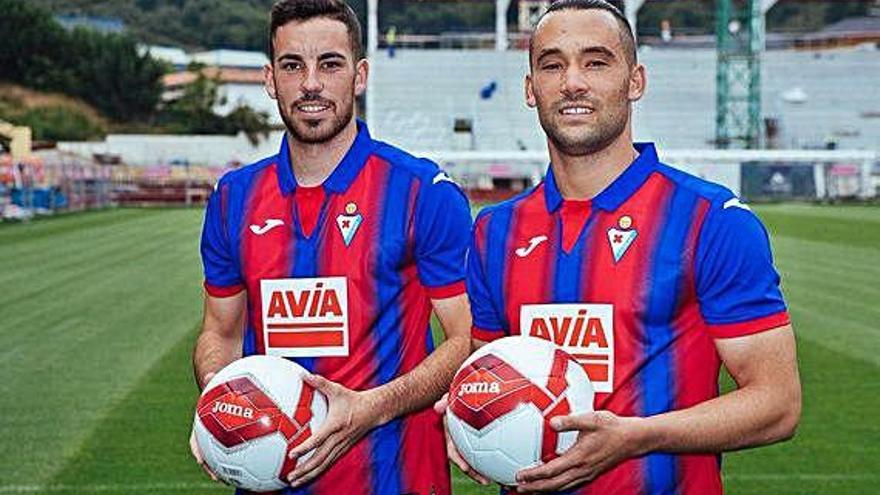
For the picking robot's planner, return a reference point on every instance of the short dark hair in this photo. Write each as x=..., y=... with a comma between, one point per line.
x=285, y=11
x=627, y=38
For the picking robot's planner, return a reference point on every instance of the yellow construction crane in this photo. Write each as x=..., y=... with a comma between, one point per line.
x=19, y=140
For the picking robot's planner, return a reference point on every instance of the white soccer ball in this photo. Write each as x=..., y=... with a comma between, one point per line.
x=502, y=399
x=250, y=415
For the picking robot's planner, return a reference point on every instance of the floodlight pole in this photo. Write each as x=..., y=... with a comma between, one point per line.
x=740, y=35
x=372, y=50
x=501, y=24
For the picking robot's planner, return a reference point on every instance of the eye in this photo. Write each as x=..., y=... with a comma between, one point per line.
x=551, y=66
x=331, y=64
x=291, y=66
x=596, y=63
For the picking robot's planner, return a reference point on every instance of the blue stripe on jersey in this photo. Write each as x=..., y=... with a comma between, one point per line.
x=497, y=246
x=658, y=384
x=236, y=220
x=569, y=266
x=386, y=441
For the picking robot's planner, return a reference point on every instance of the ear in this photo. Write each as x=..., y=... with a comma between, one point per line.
x=530, y=92
x=638, y=83
x=361, y=73
x=269, y=81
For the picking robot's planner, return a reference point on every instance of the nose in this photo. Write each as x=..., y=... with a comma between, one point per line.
x=311, y=83
x=574, y=83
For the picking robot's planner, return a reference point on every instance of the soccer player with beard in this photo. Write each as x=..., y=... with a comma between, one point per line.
x=650, y=277
x=381, y=234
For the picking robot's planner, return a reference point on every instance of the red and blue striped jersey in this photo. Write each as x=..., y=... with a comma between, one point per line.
x=636, y=284
x=351, y=300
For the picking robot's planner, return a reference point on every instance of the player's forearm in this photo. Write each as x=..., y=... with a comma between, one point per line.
x=212, y=352
x=422, y=386
x=746, y=417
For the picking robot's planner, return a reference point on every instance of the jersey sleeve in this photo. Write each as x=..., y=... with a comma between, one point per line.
x=222, y=277
x=487, y=323
x=442, y=223
x=737, y=285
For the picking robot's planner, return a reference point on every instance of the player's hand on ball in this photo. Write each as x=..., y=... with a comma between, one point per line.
x=456, y=458
x=350, y=416
x=604, y=440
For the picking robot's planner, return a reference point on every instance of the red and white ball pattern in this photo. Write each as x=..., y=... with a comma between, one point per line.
x=249, y=417
x=502, y=399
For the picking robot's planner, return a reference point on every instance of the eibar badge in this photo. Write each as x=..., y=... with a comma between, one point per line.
x=349, y=222
x=621, y=238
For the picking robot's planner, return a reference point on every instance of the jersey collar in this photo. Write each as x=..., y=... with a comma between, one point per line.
x=344, y=173
x=618, y=191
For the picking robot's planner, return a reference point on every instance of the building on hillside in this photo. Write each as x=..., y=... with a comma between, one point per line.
x=173, y=56
x=237, y=87
x=853, y=31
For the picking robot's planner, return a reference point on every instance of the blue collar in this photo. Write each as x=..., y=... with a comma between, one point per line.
x=344, y=173
x=618, y=191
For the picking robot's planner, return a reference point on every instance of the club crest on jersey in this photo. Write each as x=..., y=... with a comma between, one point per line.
x=349, y=222
x=621, y=238
x=305, y=317
x=586, y=331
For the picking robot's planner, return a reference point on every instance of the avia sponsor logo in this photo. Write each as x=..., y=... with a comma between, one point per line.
x=586, y=331
x=305, y=317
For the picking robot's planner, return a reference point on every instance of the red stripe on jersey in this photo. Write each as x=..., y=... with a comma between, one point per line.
x=265, y=255
x=624, y=284
x=350, y=473
x=486, y=335
x=357, y=370
x=447, y=291
x=528, y=277
x=728, y=330
x=424, y=468
x=217, y=291
x=308, y=205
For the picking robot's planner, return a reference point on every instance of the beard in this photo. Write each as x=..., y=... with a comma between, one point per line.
x=316, y=131
x=586, y=139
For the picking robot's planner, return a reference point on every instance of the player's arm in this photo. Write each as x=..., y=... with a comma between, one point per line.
x=765, y=408
x=440, y=227
x=220, y=338
x=219, y=342
x=740, y=302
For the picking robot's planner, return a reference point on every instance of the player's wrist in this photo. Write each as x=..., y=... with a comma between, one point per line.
x=644, y=436
x=376, y=407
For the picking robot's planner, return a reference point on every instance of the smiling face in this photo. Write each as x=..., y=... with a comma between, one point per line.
x=315, y=78
x=582, y=81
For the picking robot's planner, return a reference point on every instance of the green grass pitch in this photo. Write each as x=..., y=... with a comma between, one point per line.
x=99, y=311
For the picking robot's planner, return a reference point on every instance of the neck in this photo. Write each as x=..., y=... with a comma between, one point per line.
x=314, y=162
x=585, y=176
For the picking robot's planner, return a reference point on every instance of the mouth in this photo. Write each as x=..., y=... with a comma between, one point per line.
x=576, y=110
x=312, y=107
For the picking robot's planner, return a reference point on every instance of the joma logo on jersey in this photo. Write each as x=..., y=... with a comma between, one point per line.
x=318, y=301
x=233, y=409
x=305, y=317
x=479, y=388
x=586, y=331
